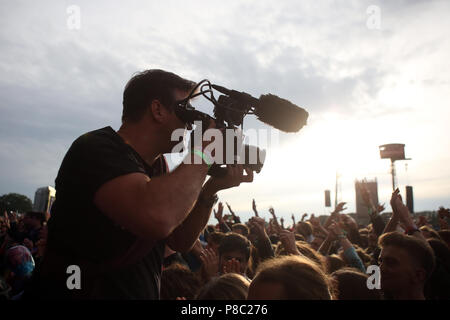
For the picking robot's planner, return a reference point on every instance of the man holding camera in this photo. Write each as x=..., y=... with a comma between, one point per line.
x=117, y=207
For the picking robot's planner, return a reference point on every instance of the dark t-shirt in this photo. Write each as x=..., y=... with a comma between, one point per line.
x=114, y=263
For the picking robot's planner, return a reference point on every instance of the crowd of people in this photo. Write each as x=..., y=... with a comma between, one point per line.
x=319, y=258
x=125, y=227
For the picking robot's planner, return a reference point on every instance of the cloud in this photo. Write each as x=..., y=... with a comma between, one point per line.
x=59, y=83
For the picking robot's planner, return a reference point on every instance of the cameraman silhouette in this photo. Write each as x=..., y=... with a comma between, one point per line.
x=117, y=206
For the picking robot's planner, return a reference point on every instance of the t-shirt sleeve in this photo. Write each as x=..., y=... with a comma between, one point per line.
x=101, y=159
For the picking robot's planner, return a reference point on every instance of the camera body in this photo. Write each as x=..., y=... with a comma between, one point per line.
x=229, y=113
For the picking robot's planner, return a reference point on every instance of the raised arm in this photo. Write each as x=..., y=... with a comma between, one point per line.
x=254, y=208
x=406, y=219
x=235, y=217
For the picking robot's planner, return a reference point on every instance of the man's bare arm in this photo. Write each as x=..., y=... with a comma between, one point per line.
x=183, y=237
x=152, y=208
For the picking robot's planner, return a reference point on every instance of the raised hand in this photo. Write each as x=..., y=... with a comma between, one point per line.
x=340, y=207
x=254, y=208
x=232, y=266
x=401, y=210
x=282, y=222
x=293, y=220
x=229, y=209
x=272, y=212
x=276, y=225
x=335, y=230
x=314, y=221
x=210, y=263
x=304, y=216
x=348, y=222
x=287, y=238
x=257, y=224
x=219, y=214
x=380, y=208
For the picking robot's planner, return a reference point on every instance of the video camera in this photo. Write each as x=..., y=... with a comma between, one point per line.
x=229, y=111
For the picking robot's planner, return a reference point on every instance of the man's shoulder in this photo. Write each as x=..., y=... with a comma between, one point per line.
x=103, y=135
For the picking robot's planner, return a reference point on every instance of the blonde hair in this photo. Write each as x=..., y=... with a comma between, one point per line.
x=229, y=286
x=301, y=278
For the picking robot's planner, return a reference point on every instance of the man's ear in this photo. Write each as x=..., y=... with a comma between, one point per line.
x=157, y=111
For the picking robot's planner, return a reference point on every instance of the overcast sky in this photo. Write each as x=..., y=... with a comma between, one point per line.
x=368, y=73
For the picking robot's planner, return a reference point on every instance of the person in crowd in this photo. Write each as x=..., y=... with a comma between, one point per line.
x=229, y=286
x=290, y=277
x=240, y=228
x=178, y=281
x=406, y=260
x=19, y=266
x=351, y=284
x=117, y=206
x=234, y=253
x=334, y=263
x=438, y=285
x=213, y=240
x=406, y=263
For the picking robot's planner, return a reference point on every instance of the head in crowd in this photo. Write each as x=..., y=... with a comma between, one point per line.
x=178, y=281
x=438, y=285
x=306, y=250
x=305, y=229
x=334, y=262
x=441, y=251
x=289, y=278
x=229, y=286
x=351, y=284
x=19, y=266
x=240, y=228
x=406, y=263
x=445, y=236
x=33, y=220
x=429, y=233
x=234, y=246
x=214, y=239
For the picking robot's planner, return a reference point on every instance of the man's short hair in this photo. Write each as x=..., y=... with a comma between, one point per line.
x=418, y=249
x=215, y=237
x=149, y=85
x=235, y=242
x=304, y=228
x=242, y=227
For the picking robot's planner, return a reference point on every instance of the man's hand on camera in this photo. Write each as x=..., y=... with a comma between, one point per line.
x=233, y=178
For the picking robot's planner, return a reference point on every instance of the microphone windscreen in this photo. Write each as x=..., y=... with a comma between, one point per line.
x=280, y=113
